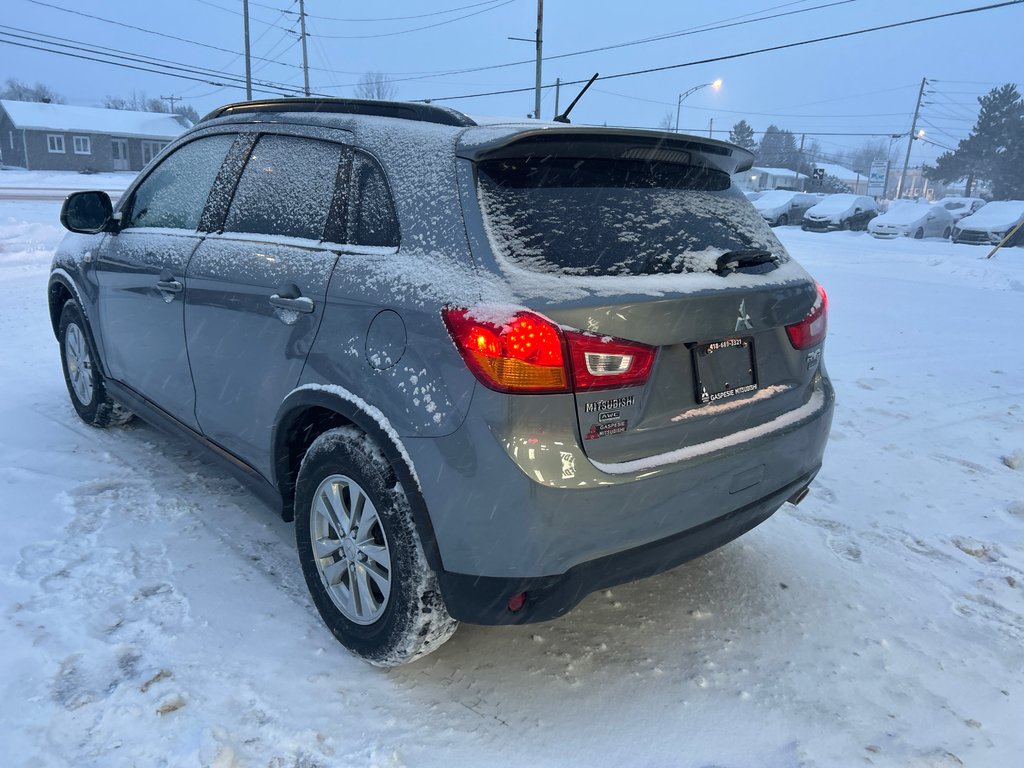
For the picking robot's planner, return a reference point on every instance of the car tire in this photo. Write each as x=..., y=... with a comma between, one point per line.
x=783, y=220
x=946, y=233
x=82, y=375
x=845, y=225
x=361, y=555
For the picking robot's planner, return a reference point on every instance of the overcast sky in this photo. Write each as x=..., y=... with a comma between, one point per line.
x=865, y=84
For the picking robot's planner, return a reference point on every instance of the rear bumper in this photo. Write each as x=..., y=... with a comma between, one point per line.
x=485, y=599
x=527, y=504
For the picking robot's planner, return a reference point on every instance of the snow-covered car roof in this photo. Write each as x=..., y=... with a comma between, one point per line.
x=958, y=202
x=838, y=203
x=911, y=213
x=1002, y=213
x=775, y=198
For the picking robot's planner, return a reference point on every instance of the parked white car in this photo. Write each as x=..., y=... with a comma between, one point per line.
x=960, y=206
x=780, y=207
x=754, y=194
x=842, y=211
x=991, y=223
x=915, y=220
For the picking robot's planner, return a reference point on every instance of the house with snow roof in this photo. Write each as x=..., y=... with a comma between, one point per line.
x=857, y=182
x=59, y=137
x=759, y=178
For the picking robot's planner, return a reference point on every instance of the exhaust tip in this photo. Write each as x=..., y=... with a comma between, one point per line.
x=799, y=496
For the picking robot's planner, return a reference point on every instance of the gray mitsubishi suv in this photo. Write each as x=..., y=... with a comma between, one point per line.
x=487, y=368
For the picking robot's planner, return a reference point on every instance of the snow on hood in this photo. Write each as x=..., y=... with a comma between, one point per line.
x=998, y=215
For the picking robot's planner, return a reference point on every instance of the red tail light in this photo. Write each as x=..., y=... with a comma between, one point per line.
x=811, y=330
x=528, y=354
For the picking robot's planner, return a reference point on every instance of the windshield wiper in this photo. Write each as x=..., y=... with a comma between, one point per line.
x=746, y=259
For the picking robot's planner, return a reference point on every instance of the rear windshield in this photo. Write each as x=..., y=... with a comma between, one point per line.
x=599, y=216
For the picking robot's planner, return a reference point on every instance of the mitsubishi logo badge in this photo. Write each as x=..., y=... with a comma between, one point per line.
x=743, y=321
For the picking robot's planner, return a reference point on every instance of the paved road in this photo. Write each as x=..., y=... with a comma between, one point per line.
x=36, y=193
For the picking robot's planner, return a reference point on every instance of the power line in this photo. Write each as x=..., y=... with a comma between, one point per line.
x=138, y=58
x=418, y=29
x=399, y=18
x=184, y=74
x=769, y=49
x=744, y=112
x=710, y=27
x=154, y=32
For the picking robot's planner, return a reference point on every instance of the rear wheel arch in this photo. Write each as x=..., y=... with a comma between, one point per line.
x=308, y=413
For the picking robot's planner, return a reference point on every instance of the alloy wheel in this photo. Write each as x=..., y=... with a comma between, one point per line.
x=350, y=549
x=79, y=362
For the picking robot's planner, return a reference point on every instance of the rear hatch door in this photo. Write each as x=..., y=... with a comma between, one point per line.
x=652, y=244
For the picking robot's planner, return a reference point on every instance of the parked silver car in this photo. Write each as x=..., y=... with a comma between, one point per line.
x=959, y=207
x=841, y=211
x=915, y=220
x=991, y=224
x=781, y=207
x=486, y=369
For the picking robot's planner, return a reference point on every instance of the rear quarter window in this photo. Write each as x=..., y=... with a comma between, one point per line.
x=597, y=216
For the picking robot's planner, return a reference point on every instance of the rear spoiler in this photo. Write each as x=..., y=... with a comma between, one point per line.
x=485, y=143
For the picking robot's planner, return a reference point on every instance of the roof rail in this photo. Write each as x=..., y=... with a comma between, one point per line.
x=405, y=110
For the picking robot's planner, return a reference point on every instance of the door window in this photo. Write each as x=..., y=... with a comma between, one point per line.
x=174, y=193
x=286, y=188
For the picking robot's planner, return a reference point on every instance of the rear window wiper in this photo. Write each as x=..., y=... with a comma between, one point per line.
x=756, y=260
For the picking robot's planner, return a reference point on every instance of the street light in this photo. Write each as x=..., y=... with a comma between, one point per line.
x=679, y=103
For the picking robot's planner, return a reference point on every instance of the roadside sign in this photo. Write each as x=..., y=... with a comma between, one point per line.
x=818, y=176
x=878, y=177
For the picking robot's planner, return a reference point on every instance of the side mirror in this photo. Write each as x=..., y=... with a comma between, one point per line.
x=86, y=212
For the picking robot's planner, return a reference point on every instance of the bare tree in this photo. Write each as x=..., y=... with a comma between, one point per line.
x=375, y=85
x=15, y=90
x=665, y=124
x=136, y=101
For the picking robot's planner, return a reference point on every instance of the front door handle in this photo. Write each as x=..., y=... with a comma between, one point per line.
x=171, y=286
x=298, y=304
x=168, y=286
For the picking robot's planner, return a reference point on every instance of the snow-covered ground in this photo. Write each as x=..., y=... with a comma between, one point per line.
x=154, y=613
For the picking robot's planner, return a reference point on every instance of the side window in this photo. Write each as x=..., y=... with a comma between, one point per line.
x=174, y=193
x=371, y=207
x=286, y=188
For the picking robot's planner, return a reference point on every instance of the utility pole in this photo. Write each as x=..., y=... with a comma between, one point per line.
x=800, y=163
x=171, y=99
x=910, y=139
x=305, y=58
x=540, y=47
x=248, y=63
x=558, y=91
x=711, y=124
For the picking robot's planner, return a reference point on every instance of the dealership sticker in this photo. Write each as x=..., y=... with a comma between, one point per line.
x=603, y=430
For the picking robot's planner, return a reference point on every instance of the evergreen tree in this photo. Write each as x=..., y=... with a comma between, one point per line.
x=743, y=135
x=778, y=149
x=994, y=149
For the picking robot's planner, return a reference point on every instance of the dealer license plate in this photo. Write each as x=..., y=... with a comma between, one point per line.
x=724, y=369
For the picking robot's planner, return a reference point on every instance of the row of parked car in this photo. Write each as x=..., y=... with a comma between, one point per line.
x=962, y=219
